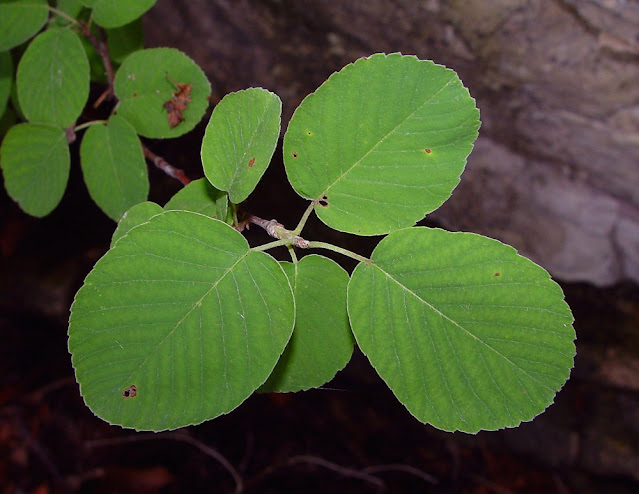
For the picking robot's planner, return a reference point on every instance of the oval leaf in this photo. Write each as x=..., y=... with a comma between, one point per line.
x=138, y=214
x=113, y=166
x=6, y=78
x=201, y=197
x=162, y=92
x=116, y=13
x=53, y=78
x=178, y=323
x=240, y=140
x=35, y=163
x=322, y=342
x=381, y=143
x=468, y=334
x=19, y=20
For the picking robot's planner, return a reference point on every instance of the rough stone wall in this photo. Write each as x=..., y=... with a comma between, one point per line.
x=556, y=168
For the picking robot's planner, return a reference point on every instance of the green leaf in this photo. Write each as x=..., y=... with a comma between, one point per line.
x=181, y=309
x=116, y=13
x=322, y=342
x=146, y=82
x=35, y=163
x=381, y=143
x=19, y=20
x=240, y=140
x=53, y=78
x=113, y=166
x=125, y=40
x=467, y=334
x=200, y=197
x=6, y=78
x=138, y=214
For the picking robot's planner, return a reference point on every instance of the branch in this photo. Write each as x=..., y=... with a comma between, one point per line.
x=103, y=50
x=164, y=165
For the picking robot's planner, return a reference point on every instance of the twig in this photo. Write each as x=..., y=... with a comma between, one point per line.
x=277, y=230
x=402, y=468
x=103, y=50
x=164, y=165
x=176, y=436
x=345, y=471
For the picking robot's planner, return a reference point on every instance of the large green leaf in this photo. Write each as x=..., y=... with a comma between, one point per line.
x=240, y=140
x=6, y=78
x=116, y=13
x=19, y=20
x=468, y=334
x=53, y=78
x=147, y=82
x=381, y=143
x=178, y=323
x=201, y=197
x=35, y=163
x=138, y=214
x=322, y=342
x=113, y=166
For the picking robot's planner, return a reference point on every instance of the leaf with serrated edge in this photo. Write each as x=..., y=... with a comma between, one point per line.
x=53, y=78
x=467, y=334
x=113, y=166
x=381, y=143
x=322, y=342
x=35, y=163
x=184, y=313
x=135, y=216
x=240, y=140
x=147, y=80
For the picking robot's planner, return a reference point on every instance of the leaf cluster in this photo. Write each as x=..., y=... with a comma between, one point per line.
x=468, y=334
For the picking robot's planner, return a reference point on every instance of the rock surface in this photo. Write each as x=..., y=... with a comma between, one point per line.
x=555, y=171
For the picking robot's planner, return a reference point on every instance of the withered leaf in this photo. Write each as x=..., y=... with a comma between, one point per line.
x=178, y=103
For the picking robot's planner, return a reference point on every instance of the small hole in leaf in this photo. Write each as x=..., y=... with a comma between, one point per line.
x=130, y=392
x=428, y=150
x=251, y=162
x=294, y=154
x=135, y=94
x=497, y=274
x=323, y=201
x=309, y=133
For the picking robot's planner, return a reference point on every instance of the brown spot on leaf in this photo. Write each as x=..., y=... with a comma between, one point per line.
x=178, y=104
x=497, y=274
x=294, y=154
x=130, y=392
x=428, y=150
x=251, y=162
x=323, y=201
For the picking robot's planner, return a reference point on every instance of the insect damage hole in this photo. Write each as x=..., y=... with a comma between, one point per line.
x=130, y=392
x=323, y=201
x=294, y=154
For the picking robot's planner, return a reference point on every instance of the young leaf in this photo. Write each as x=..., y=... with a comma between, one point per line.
x=53, y=78
x=125, y=40
x=467, y=334
x=135, y=216
x=6, y=76
x=322, y=342
x=178, y=323
x=148, y=80
x=35, y=162
x=381, y=143
x=240, y=140
x=113, y=166
x=201, y=197
x=116, y=13
x=19, y=20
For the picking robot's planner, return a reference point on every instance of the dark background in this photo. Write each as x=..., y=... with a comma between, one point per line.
x=352, y=436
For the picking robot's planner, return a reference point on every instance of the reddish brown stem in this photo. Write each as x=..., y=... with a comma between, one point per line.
x=103, y=50
x=165, y=166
